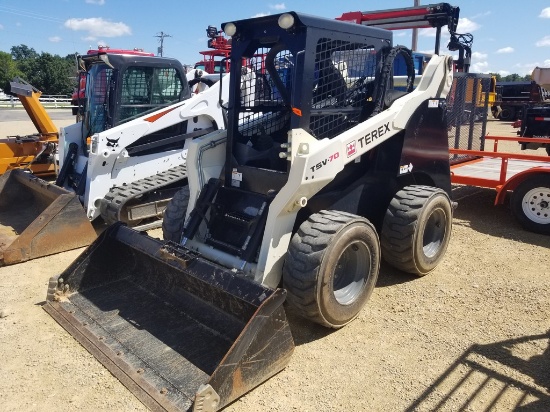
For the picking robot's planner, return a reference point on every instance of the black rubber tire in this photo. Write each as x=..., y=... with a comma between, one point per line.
x=331, y=267
x=530, y=203
x=416, y=229
x=507, y=113
x=174, y=215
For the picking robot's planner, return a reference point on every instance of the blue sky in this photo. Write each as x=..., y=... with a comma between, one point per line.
x=509, y=36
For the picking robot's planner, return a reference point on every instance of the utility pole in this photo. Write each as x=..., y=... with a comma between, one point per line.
x=415, y=31
x=161, y=37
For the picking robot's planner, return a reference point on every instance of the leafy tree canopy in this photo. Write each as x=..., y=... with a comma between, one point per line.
x=51, y=74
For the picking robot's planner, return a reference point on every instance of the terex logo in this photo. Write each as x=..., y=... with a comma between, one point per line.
x=351, y=148
x=374, y=134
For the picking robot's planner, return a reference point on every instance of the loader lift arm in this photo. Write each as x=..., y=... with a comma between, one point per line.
x=428, y=16
x=29, y=95
x=33, y=152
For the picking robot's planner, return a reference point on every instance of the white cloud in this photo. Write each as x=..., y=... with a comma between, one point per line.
x=260, y=15
x=1, y=27
x=479, y=67
x=466, y=25
x=545, y=13
x=526, y=68
x=427, y=32
x=98, y=2
x=54, y=39
x=546, y=63
x=278, y=6
x=505, y=50
x=97, y=26
x=504, y=72
x=545, y=41
x=478, y=56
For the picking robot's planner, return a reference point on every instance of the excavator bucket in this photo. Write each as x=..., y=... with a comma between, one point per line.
x=38, y=219
x=180, y=332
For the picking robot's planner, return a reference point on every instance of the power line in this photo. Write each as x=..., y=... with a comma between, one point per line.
x=161, y=37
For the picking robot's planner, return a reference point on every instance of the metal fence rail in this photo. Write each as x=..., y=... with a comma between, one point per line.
x=51, y=101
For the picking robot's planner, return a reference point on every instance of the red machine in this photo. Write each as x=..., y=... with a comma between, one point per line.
x=217, y=59
x=431, y=15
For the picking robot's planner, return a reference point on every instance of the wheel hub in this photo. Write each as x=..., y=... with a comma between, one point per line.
x=349, y=273
x=536, y=205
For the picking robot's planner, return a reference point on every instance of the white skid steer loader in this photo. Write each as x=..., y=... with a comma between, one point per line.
x=124, y=161
x=320, y=174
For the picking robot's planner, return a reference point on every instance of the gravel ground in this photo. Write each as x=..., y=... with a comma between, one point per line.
x=473, y=335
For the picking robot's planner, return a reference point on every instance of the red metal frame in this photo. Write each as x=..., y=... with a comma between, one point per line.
x=502, y=185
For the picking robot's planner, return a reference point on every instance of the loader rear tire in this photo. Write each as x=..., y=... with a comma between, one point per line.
x=416, y=229
x=331, y=267
x=174, y=215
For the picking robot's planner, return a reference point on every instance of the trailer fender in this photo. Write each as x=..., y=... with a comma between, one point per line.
x=514, y=181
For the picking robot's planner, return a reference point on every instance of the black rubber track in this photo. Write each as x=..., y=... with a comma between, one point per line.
x=400, y=241
x=174, y=215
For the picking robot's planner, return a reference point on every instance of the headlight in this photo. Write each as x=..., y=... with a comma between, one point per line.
x=230, y=29
x=286, y=21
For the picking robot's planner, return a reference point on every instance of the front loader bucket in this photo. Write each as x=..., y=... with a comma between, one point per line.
x=38, y=219
x=180, y=332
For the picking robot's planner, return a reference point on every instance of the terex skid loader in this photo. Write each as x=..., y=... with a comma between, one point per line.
x=323, y=170
x=123, y=161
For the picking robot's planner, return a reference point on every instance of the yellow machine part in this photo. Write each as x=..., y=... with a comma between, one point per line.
x=29, y=98
x=20, y=152
x=14, y=155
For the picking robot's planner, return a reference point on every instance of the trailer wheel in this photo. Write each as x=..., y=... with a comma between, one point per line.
x=174, y=215
x=331, y=267
x=530, y=204
x=417, y=229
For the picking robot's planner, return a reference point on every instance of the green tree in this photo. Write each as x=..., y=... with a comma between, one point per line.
x=23, y=52
x=8, y=70
x=51, y=74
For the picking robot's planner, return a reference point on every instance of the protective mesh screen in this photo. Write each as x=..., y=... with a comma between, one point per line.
x=467, y=104
x=264, y=94
x=342, y=73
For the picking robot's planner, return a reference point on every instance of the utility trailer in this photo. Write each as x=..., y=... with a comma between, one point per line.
x=526, y=176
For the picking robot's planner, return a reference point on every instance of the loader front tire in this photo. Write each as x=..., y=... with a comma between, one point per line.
x=331, y=267
x=174, y=215
x=416, y=229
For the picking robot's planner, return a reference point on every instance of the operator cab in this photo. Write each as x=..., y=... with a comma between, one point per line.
x=304, y=72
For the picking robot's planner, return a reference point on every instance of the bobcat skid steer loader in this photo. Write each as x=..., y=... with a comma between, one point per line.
x=322, y=171
x=123, y=162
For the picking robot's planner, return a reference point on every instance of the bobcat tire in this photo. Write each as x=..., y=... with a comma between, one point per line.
x=331, y=267
x=174, y=215
x=417, y=229
x=530, y=204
